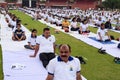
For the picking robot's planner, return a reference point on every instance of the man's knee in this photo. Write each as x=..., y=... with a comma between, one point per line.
x=45, y=63
x=42, y=56
x=27, y=47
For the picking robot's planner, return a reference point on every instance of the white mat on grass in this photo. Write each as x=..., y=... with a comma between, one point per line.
x=32, y=67
x=14, y=54
x=115, y=30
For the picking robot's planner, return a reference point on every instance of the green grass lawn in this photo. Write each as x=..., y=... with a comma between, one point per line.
x=1, y=69
x=98, y=67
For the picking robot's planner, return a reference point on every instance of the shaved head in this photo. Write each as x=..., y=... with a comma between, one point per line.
x=65, y=46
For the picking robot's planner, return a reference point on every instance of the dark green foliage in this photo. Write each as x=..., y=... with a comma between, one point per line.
x=112, y=4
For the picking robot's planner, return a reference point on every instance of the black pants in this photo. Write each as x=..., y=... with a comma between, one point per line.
x=65, y=27
x=83, y=32
x=46, y=57
x=28, y=47
x=74, y=29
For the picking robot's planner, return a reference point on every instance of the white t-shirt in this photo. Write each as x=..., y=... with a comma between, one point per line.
x=46, y=45
x=102, y=32
x=74, y=24
x=45, y=16
x=49, y=19
x=8, y=17
x=99, y=22
x=53, y=19
x=13, y=23
x=84, y=26
x=32, y=40
x=59, y=21
x=64, y=71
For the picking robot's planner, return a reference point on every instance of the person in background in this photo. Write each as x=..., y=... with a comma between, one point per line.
x=65, y=25
x=117, y=26
x=18, y=34
x=32, y=40
x=102, y=34
x=74, y=25
x=108, y=24
x=84, y=27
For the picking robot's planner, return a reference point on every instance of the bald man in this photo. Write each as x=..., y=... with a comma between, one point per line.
x=64, y=66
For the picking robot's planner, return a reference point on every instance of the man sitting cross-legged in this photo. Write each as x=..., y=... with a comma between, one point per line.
x=45, y=44
x=18, y=34
x=102, y=33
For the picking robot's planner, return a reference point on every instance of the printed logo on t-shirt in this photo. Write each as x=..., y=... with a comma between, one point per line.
x=71, y=68
x=50, y=40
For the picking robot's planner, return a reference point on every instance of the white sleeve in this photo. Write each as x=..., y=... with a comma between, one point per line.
x=71, y=24
x=81, y=24
x=53, y=38
x=38, y=40
x=51, y=67
x=78, y=65
x=29, y=39
x=14, y=29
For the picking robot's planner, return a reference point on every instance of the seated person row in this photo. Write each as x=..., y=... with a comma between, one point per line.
x=102, y=33
x=13, y=22
x=32, y=40
x=18, y=33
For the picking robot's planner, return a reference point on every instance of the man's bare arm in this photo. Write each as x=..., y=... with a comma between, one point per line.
x=36, y=51
x=78, y=76
x=49, y=77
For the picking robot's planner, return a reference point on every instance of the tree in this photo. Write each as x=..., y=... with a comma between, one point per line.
x=112, y=4
x=10, y=0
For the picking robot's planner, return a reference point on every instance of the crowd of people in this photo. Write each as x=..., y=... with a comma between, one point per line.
x=68, y=20
x=15, y=24
x=79, y=20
